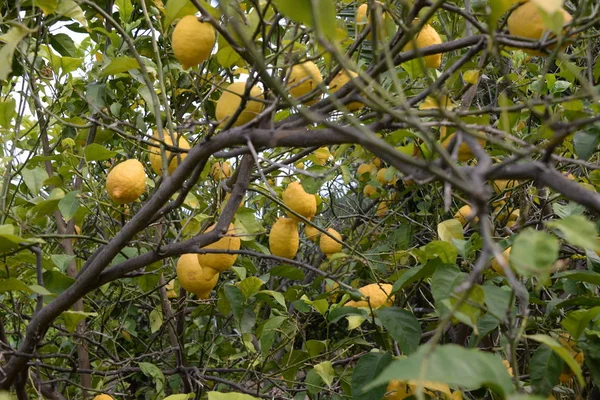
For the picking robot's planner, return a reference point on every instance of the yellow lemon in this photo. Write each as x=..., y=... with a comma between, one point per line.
x=397, y=390
x=311, y=233
x=363, y=170
x=220, y=170
x=322, y=155
x=369, y=190
x=103, y=397
x=284, y=238
x=376, y=294
x=328, y=245
x=464, y=151
x=363, y=19
x=299, y=165
x=192, y=41
x=381, y=177
x=496, y=265
x=126, y=182
x=297, y=200
x=230, y=101
x=471, y=76
x=221, y=261
x=382, y=209
x=465, y=214
x=428, y=36
x=170, y=288
x=154, y=154
x=194, y=277
x=527, y=22
x=338, y=81
x=303, y=78
x=500, y=185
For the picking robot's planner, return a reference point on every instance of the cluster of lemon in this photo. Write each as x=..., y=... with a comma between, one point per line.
x=373, y=169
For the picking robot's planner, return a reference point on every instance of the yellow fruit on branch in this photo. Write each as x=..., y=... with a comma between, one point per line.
x=296, y=199
x=376, y=295
x=303, y=79
x=230, y=101
x=311, y=233
x=192, y=41
x=464, y=151
x=500, y=185
x=322, y=155
x=284, y=238
x=363, y=19
x=400, y=390
x=496, y=264
x=194, y=277
x=330, y=246
x=341, y=79
x=103, y=397
x=527, y=22
x=170, y=288
x=364, y=171
x=221, y=261
x=154, y=153
x=382, y=209
x=382, y=179
x=428, y=36
x=369, y=190
x=126, y=182
x=220, y=170
x=465, y=214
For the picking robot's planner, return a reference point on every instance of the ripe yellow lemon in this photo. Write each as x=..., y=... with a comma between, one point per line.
x=363, y=20
x=170, y=288
x=230, y=101
x=465, y=214
x=500, y=185
x=382, y=209
x=103, y=397
x=339, y=81
x=397, y=390
x=322, y=155
x=220, y=170
x=284, y=238
x=154, y=153
x=376, y=162
x=496, y=265
x=527, y=22
x=303, y=78
x=428, y=36
x=381, y=177
x=369, y=190
x=311, y=233
x=221, y=261
x=296, y=199
x=363, y=170
x=328, y=245
x=376, y=294
x=194, y=277
x=464, y=151
x=192, y=41
x=126, y=182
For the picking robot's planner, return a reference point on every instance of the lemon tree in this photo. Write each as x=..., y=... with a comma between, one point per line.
x=295, y=199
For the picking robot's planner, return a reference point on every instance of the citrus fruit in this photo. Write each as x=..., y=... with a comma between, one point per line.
x=194, y=277
x=527, y=22
x=170, y=288
x=284, y=238
x=103, y=397
x=382, y=209
x=154, y=154
x=496, y=265
x=311, y=233
x=220, y=170
x=297, y=200
x=230, y=101
x=363, y=18
x=328, y=245
x=376, y=295
x=363, y=170
x=339, y=80
x=464, y=151
x=322, y=155
x=369, y=190
x=303, y=78
x=192, y=41
x=500, y=185
x=126, y=182
x=428, y=36
x=465, y=214
x=221, y=261
x=382, y=179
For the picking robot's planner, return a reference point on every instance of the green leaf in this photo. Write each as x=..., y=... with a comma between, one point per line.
x=544, y=369
x=367, y=368
x=152, y=371
x=442, y=285
x=227, y=57
x=125, y=9
x=497, y=300
x=37, y=289
x=585, y=144
x=451, y=364
x=69, y=205
x=96, y=152
x=34, y=179
x=577, y=320
x=180, y=396
x=230, y=396
x=326, y=372
x=403, y=327
x=72, y=318
x=10, y=39
x=69, y=8
x=47, y=6
x=64, y=45
x=578, y=231
x=341, y=312
x=579, y=276
x=236, y=300
x=472, y=307
x=12, y=284
x=288, y=271
x=7, y=112
x=415, y=274
x=533, y=252
x=278, y=297
x=302, y=11
x=57, y=282
x=450, y=229
x=268, y=333
x=562, y=352
x=446, y=252
x=250, y=286
x=156, y=320
x=119, y=65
